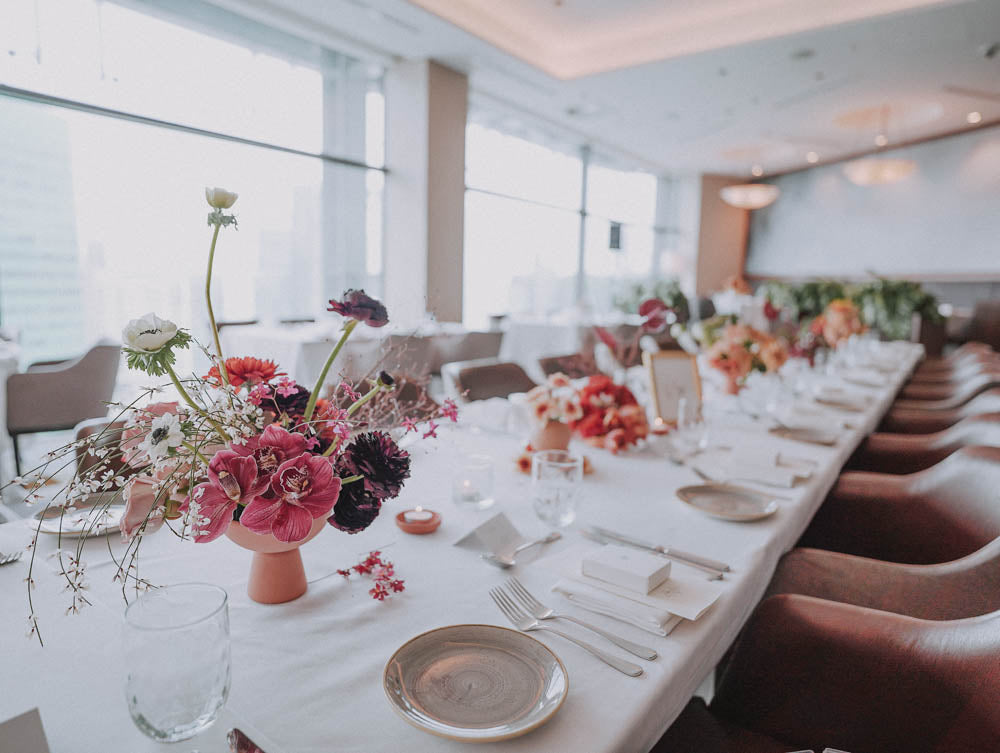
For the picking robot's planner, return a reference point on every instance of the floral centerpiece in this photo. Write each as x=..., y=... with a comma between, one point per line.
x=740, y=350
x=554, y=405
x=839, y=320
x=612, y=417
x=245, y=452
x=612, y=354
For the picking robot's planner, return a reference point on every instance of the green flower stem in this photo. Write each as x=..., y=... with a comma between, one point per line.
x=356, y=405
x=208, y=301
x=195, y=451
x=311, y=405
x=193, y=404
x=350, y=479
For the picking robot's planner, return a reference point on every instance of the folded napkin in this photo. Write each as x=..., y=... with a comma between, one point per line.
x=864, y=377
x=656, y=621
x=726, y=466
x=839, y=397
x=684, y=595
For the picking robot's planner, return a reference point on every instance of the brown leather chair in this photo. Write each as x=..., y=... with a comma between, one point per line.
x=485, y=380
x=909, y=453
x=967, y=353
x=983, y=364
x=108, y=436
x=949, y=389
x=985, y=324
x=965, y=587
x=922, y=421
x=957, y=397
x=809, y=673
x=938, y=515
x=574, y=365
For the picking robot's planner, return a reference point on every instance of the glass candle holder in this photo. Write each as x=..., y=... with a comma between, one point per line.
x=176, y=642
x=472, y=482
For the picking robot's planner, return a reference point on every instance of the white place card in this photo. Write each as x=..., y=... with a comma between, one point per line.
x=24, y=734
x=496, y=535
x=627, y=567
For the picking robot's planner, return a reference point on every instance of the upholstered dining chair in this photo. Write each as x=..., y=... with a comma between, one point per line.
x=573, y=365
x=968, y=353
x=959, y=395
x=946, y=390
x=938, y=515
x=924, y=421
x=55, y=396
x=985, y=363
x=966, y=587
x=810, y=673
x=909, y=453
x=484, y=378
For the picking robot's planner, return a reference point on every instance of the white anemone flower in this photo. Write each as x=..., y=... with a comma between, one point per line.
x=164, y=433
x=220, y=198
x=148, y=334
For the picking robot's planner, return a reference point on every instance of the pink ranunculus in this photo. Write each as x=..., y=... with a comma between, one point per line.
x=305, y=488
x=232, y=480
x=133, y=434
x=140, y=499
x=271, y=448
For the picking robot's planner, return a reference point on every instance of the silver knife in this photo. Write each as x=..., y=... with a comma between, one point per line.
x=672, y=552
x=713, y=574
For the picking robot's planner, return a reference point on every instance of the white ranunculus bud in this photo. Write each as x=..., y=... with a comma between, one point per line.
x=220, y=198
x=148, y=334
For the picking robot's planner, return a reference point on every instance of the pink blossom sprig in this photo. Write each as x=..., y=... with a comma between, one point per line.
x=381, y=571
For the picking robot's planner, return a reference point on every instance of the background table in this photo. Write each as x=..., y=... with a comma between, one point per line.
x=308, y=673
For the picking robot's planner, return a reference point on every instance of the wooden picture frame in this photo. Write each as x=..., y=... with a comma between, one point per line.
x=673, y=374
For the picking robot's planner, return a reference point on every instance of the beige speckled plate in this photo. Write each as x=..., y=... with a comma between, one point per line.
x=475, y=683
x=727, y=502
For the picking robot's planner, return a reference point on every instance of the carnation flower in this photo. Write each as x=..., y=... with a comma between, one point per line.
x=379, y=460
x=356, y=508
x=247, y=370
x=359, y=305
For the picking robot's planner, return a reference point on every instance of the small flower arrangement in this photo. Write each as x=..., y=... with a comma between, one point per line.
x=523, y=461
x=740, y=350
x=655, y=316
x=612, y=418
x=555, y=400
x=839, y=320
x=244, y=445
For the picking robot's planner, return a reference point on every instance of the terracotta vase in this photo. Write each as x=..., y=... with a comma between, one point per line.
x=554, y=435
x=276, y=572
x=733, y=385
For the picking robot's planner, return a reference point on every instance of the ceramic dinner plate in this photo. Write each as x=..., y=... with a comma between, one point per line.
x=727, y=502
x=475, y=683
x=92, y=520
x=806, y=434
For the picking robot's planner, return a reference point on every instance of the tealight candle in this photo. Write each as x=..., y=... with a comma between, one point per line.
x=418, y=520
x=660, y=426
x=472, y=482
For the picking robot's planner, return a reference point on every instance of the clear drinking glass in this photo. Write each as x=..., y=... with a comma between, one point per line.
x=555, y=482
x=472, y=482
x=691, y=434
x=176, y=642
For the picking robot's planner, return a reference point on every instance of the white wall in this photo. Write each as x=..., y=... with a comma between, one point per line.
x=943, y=222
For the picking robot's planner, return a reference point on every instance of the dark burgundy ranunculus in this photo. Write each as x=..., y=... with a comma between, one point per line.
x=374, y=456
x=655, y=313
x=357, y=304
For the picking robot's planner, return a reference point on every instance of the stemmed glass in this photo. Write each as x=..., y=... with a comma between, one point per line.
x=176, y=642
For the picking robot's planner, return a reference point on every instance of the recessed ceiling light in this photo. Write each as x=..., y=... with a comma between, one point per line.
x=802, y=54
x=757, y=171
x=812, y=157
x=974, y=117
x=881, y=140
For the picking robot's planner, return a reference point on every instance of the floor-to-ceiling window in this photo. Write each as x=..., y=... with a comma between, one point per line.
x=113, y=119
x=523, y=208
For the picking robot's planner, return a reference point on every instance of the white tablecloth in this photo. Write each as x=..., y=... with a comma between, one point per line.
x=308, y=673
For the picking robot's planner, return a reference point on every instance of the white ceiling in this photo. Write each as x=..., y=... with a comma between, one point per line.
x=732, y=83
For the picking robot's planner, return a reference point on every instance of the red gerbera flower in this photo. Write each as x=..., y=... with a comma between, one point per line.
x=246, y=370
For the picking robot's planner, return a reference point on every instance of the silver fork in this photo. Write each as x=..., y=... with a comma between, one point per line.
x=541, y=612
x=6, y=559
x=523, y=621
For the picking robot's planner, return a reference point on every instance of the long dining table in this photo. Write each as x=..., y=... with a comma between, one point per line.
x=308, y=674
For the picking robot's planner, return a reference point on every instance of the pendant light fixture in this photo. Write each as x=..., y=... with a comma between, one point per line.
x=875, y=170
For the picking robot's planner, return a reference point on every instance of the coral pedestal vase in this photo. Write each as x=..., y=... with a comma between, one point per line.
x=276, y=572
x=554, y=435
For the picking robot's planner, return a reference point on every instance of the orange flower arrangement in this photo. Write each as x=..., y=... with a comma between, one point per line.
x=838, y=322
x=612, y=418
x=742, y=349
x=247, y=370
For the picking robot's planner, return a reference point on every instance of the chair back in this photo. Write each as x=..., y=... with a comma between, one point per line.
x=59, y=397
x=574, y=365
x=406, y=355
x=985, y=324
x=957, y=399
x=109, y=436
x=471, y=346
x=483, y=379
x=909, y=453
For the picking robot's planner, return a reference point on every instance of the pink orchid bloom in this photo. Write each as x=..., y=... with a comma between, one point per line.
x=431, y=432
x=259, y=394
x=271, y=448
x=232, y=480
x=286, y=387
x=450, y=409
x=305, y=488
x=409, y=424
x=349, y=391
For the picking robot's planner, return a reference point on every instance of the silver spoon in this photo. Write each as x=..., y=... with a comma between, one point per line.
x=507, y=560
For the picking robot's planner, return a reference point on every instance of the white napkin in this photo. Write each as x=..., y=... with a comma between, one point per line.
x=656, y=621
x=682, y=595
x=830, y=396
x=496, y=535
x=864, y=377
x=726, y=466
